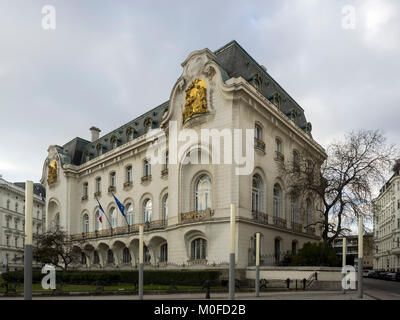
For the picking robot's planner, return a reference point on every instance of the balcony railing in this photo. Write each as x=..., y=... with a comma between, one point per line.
x=260, y=217
x=164, y=172
x=127, y=184
x=280, y=222
x=111, y=189
x=297, y=227
x=310, y=230
x=195, y=216
x=279, y=156
x=146, y=178
x=133, y=229
x=259, y=144
x=84, y=197
x=97, y=194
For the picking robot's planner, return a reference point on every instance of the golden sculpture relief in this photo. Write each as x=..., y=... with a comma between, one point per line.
x=196, y=99
x=52, y=172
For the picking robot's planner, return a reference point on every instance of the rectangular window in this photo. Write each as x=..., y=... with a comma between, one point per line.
x=112, y=179
x=129, y=174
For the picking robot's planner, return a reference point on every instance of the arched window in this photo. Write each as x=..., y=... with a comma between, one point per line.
x=98, y=184
x=129, y=134
x=256, y=194
x=258, y=132
x=113, y=217
x=296, y=161
x=165, y=208
x=277, y=250
x=277, y=200
x=85, y=223
x=99, y=149
x=126, y=256
x=164, y=253
x=278, y=150
x=293, y=208
x=114, y=142
x=308, y=212
x=112, y=179
x=129, y=174
x=147, y=210
x=83, y=258
x=129, y=214
x=110, y=256
x=203, y=193
x=146, y=168
x=57, y=220
x=198, y=249
x=146, y=255
x=294, y=247
x=96, y=259
x=98, y=224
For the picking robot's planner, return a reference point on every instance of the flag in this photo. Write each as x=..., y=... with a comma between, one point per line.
x=120, y=205
x=101, y=212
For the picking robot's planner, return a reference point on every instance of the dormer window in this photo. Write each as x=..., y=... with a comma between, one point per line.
x=99, y=149
x=257, y=82
x=148, y=124
x=293, y=115
x=129, y=134
x=277, y=100
x=114, y=142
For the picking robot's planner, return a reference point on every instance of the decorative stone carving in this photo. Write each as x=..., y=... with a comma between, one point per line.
x=196, y=99
x=52, y=172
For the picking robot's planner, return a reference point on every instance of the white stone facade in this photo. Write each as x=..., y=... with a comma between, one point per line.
x=12, y=224
x=193, y=237
x=387, y=226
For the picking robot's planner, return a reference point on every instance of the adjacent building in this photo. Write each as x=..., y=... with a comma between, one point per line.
x=387, y=226
x=183, y=197
x=12, y=221
x=352, y=249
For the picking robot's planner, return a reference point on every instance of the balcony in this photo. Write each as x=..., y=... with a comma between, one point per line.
x=127, y=184
x=84, y=197
x=97, y=194
x=297, y=227
x=146, y=178
x=125, y=230
x=196, y=216
x=111, y=189
x=164, y=172
x=280, y=222
x=311, y=230
x=279, y=156
x=260, y=217
x=259, y=144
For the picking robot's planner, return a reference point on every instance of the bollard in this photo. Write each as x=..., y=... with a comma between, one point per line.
x=304, y=284
x=207, y=287
x=288, y=283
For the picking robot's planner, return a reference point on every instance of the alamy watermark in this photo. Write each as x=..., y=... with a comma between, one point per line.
x=349, y=278
x=209, y=146
x=49, y=280
x=48, y=17
x=349, y=17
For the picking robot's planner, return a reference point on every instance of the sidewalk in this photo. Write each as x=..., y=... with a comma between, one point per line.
x=299, y=295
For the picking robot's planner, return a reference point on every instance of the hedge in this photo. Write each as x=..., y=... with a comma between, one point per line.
x=114, y=277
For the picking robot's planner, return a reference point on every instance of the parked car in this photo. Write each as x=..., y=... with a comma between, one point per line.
x=367, y=273
x=398, y=276
x=390, y=276
x=381, y=275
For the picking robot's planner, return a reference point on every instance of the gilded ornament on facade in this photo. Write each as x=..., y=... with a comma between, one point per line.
x=52, y=172
x=196, y=99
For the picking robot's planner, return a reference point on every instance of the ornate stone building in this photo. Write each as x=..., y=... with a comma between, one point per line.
x=184, y=205
x=387, y=226
x=12, y=221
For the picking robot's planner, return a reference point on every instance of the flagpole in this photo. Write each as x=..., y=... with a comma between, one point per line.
x=101, y=208
x=122, y=211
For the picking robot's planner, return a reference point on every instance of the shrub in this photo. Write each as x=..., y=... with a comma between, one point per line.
x=315, y=254
x=114, y=277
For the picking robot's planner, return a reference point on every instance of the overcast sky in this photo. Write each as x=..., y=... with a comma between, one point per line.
x=108, y=62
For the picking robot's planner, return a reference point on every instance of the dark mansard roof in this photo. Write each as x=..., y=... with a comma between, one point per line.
x=233, y=61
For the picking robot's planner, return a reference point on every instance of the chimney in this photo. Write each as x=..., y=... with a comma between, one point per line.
x=95, y=133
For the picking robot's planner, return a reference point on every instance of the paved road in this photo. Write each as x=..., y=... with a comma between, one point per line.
x=291, y=295
x=381, y=289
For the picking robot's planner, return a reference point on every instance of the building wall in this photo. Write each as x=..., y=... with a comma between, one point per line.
x=11, y=253
x=234, y=104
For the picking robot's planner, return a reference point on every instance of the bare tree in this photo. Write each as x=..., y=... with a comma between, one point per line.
x=54, y=247
x=345, y=182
